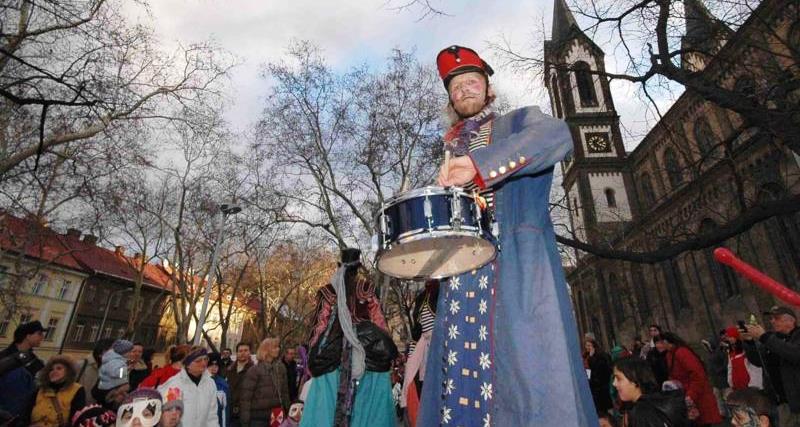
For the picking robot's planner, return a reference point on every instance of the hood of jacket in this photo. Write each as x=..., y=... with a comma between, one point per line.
x=670, y=403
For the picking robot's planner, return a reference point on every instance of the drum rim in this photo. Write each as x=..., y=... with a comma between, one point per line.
x=443, y=230
x=428, y=190
x=383, y=251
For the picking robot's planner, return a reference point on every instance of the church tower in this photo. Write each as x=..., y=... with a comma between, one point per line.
x=705, y=36
x=596, y=181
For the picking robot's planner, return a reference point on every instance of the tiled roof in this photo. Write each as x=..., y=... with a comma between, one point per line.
x=34, y=240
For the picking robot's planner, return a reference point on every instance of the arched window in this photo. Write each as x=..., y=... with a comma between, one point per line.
x=556, y=96
x=646, y=187
x=724, y=280
x=673, y=167
x=794, y=37
x=782, y=234
x=675, y=286
x=616, y=298
x=611, y=198
x=640, y=287
x=704, y=137
x=583, y=77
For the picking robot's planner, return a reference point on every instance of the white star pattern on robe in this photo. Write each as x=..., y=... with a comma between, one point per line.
x=449, y=386
x=453, y=332
x=482, y=306
x=446, y=416
x=454, y=307
x=486, y=391
x=455, y=282
x=483, y=282
x=452, y=357
x=487, y=420
x=482, y=333
x=484, y=361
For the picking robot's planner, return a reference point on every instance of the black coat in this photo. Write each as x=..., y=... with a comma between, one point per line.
x=658, y=362
x=664, y=409
x=600, y=381
x=786, y=348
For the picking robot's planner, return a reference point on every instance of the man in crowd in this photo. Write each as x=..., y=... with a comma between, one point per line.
x=197, y=388
x=235, y=374
x=784, y=345
x=18, y=368
x=226, y=360
x=750, y=407
x=137, y=369
x=289, y=361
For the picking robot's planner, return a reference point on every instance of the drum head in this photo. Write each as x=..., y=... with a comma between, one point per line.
x=436, y=257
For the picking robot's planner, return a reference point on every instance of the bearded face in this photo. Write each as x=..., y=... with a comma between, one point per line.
x=468, y=93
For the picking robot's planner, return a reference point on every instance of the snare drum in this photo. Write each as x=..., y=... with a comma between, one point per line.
x=432, y=232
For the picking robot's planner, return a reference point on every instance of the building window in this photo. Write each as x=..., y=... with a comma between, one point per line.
x=120, y=332
x=646, y=186
x=107, y=332
x=704, y=137
x=724, y=280
x=784, y=235
x=40, y=285
x=3, y=327
x=673, y=167
x=575, y=206
x=77, y=336
x=616, y=295
x=611, y=198
x=62, y=293
x=93, y=334
x=794, y=37
x=556, y=96
x=3, y=276
x=117, y=299
x=640, y=287
x=675, y=287
x=586, y=92
x=91, y=291
x=52, y=324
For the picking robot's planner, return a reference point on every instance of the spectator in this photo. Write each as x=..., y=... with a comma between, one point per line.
x=171, y=408
x=223, y=393
x=653, y=331
x=113, y=376
x=94, y=416
x=142, y=408
x=717, y=364
x=147, y=357
x=59, y=396
x=644, y=405
x=295, y=415
x=160, y=376
x=657, y=358
x=264, y=392
x=687, y=368
x=290, y=363
x=741, y=373
x=18, y=368
x=235, y=374
x=785, y=345
x=599, y=365
x=198, y=391
x=137, y=369
x=750, y=407
x=89, y=371
x=637, y=348
x=226, y=360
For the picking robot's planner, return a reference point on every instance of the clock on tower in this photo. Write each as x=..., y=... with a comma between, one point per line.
x=598, y=143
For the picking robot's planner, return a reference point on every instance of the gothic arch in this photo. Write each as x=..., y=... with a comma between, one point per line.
x=704, y=137
x=725, y=283
x=611, y=197
x=646, y=187
x=782, y=234
x=585, y=83
x=673, y=168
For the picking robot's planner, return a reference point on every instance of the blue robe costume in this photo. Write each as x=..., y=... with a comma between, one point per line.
x=505, y=349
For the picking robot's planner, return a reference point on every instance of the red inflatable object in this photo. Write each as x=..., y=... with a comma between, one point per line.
x=779, y=290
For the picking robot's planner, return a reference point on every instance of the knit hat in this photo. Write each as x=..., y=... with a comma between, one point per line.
x=113, y=372
x=172, y=398
x=122, y=346
x=732, y=332
x=94, y=416
x=214, y=358
x=194, y=354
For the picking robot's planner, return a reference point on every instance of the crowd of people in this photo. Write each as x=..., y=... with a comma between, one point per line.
x=118, y=385
x=746, y=376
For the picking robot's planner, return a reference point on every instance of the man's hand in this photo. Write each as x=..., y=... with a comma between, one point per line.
x=755, y=331
x=460, y=171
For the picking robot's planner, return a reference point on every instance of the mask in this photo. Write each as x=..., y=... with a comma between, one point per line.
x=296, y=411
x=147, y=411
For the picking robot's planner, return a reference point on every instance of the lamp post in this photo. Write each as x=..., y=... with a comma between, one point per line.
x=105, y=314
x=224, y=211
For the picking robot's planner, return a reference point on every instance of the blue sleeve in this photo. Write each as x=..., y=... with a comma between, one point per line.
x=524, y=142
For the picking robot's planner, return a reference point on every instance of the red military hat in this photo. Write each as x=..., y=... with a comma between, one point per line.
x=456, y=60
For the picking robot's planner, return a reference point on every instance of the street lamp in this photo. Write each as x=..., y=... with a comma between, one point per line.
x=224, y=211
x=108, y=304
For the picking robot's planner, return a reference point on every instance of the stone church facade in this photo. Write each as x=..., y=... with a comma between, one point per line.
x=697, y=169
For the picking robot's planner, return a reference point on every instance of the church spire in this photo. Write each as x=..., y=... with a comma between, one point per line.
x=705, y=34
x=563, y=20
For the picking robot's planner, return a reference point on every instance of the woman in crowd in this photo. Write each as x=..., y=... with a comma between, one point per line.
x=741, y=373
x=223, y=391
x=197, y=389
x=265, y=388
x=686, y=367
x=643, y=404
x=59, y=396
x=599, y=365
x=161, y=375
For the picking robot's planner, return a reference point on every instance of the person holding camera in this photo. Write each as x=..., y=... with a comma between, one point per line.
x=784, y=345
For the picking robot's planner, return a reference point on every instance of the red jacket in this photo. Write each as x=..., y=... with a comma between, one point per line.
x=685, y=367
x=159, y=376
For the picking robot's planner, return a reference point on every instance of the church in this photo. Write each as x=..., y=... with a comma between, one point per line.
x=700, y=167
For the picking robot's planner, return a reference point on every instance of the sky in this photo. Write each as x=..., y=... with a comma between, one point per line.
x=354, y=32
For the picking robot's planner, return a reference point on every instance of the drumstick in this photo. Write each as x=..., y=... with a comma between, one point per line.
x=447, y=163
